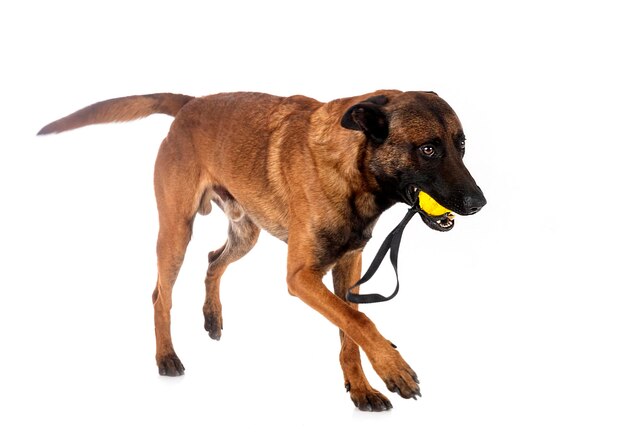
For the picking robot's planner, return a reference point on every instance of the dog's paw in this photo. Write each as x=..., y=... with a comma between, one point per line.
x=170, y=365
x=397, y=374
x=368, y=399
x=213, y=324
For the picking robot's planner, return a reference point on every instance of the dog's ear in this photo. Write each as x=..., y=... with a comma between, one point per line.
x=369, y=118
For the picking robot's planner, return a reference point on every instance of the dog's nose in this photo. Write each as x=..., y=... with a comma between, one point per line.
x=473, y=204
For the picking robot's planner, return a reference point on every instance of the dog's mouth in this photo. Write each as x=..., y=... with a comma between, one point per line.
x=442, y=222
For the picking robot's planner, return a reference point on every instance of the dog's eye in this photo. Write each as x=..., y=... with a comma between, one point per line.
x=427, y=150
x=460, y=145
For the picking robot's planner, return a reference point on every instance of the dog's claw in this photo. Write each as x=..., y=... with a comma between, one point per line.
x=213, y=325
x=365, y=407
x=370, y=400
x=406, y=392
x=170, y=365
x=398, y=375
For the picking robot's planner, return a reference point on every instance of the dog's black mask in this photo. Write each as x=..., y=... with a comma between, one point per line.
x=417, y=144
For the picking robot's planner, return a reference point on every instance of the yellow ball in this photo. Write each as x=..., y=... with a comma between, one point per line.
x=430, y=205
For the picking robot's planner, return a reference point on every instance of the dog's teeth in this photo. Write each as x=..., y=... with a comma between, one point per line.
x=445, y=224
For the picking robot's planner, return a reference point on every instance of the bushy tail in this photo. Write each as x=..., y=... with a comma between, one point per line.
x=120, y=109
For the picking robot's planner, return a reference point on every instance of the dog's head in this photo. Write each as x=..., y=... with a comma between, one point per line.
x=415, y=142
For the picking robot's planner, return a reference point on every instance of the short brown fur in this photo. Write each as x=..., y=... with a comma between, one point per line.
x=285, y=165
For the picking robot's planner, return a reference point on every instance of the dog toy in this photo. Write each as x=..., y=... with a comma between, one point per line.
x=430, y=205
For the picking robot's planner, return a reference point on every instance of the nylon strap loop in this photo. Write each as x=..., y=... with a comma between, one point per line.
x=391, y=244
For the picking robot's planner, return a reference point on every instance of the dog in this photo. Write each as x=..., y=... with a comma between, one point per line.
x=315, y=175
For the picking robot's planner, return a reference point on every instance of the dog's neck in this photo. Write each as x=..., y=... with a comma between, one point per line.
x=353, y=181
x=357, y=203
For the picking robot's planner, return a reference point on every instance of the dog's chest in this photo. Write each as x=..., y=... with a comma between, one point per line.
x=335, y=241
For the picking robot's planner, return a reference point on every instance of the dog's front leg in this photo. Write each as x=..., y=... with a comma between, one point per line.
x=305, y=281
x=346, y=273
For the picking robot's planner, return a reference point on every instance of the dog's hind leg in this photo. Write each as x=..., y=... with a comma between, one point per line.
x=346, y=273
x=178, y=191
x=242, y=236
x=171, y=246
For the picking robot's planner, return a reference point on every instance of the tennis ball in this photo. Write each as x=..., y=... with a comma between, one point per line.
x=430, y=205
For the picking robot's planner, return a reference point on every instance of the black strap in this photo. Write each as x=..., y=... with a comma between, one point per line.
x=392, y=244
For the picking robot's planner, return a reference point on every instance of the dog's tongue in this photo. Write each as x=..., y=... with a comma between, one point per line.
x=430, y=205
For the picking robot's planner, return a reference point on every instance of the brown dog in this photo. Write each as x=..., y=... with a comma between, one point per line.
x=314, y=175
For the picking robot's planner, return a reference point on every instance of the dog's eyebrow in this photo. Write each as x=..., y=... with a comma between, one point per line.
x=436, y=141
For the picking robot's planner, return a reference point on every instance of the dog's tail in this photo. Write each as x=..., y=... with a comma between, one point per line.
x=120, y=109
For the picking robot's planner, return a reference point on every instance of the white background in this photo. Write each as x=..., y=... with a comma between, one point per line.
x=514, y=321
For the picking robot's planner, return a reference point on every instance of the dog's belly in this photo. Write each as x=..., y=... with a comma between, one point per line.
x=264, y=214
x=272, y=219
x=280, y=232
